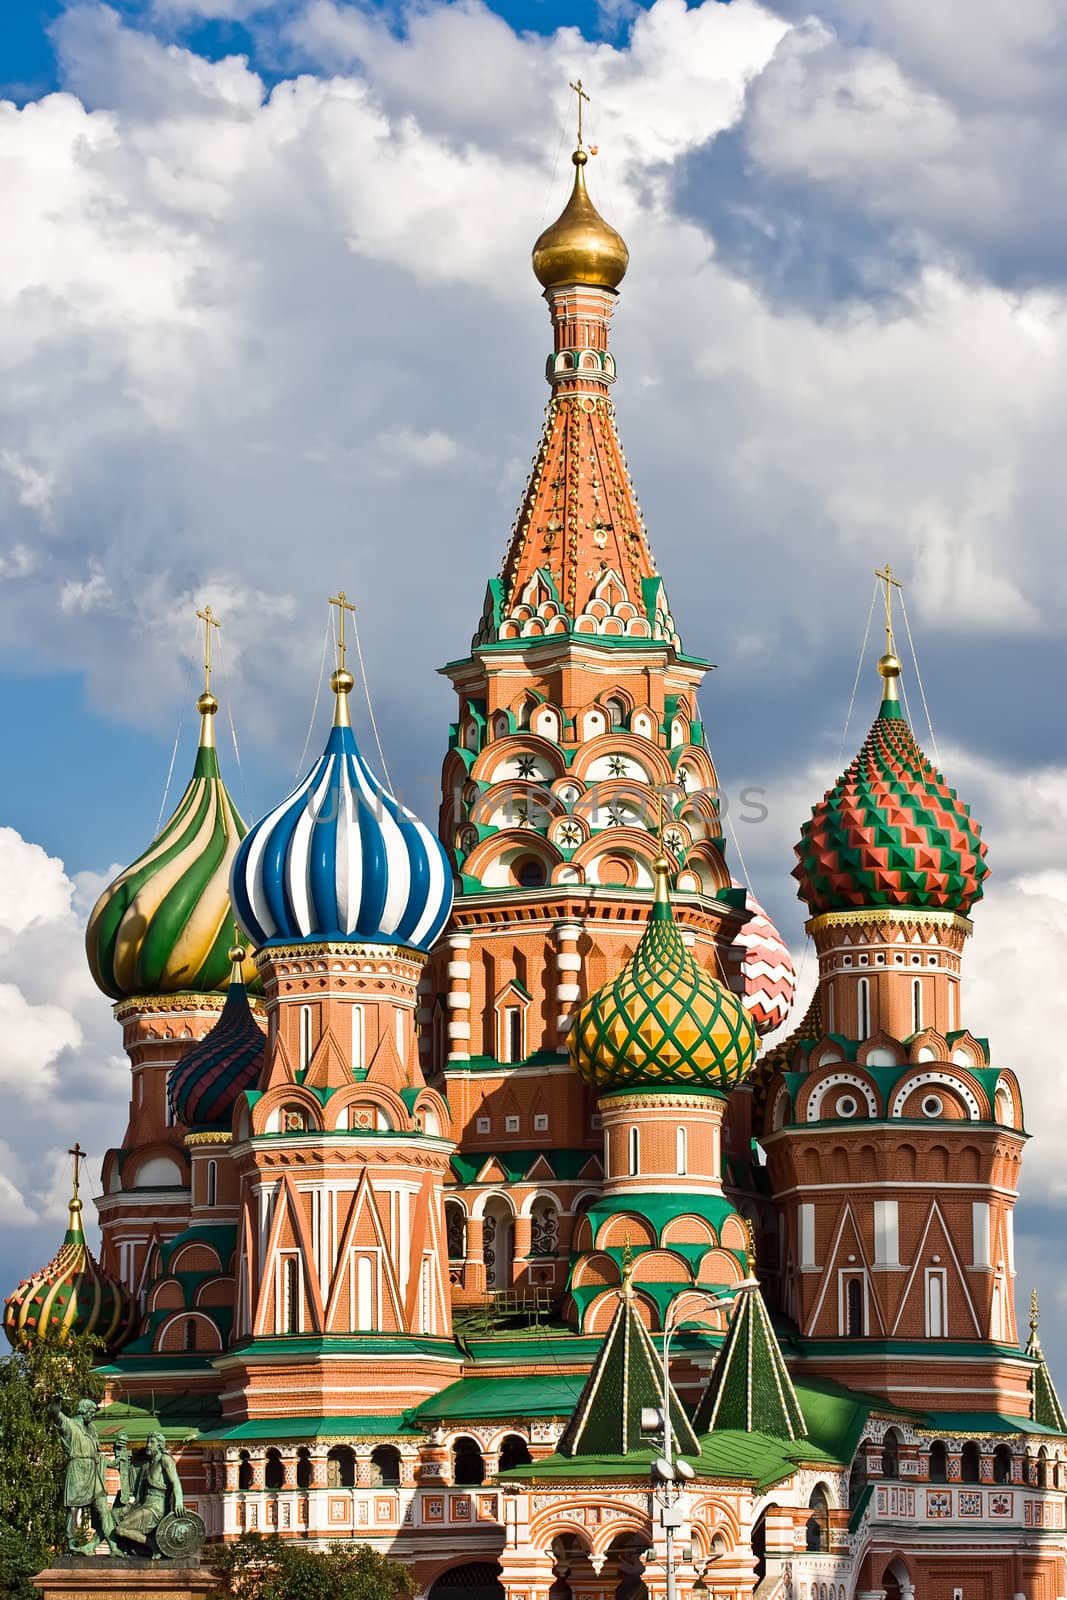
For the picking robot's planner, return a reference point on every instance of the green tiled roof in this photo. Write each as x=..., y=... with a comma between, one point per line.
x=749, y=1388
x=515, y=1164
x=625, y=1378
x=753, y=1458
x=986, y=1422
x=312, y=1428
x=492, y=1399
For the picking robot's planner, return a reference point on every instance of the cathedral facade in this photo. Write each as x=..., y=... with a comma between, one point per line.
x=427, y=1164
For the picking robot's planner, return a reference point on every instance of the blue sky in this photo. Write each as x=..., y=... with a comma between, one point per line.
x=268, y=328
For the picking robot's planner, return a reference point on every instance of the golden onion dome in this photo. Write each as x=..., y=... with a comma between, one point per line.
x=663, y=1022
x=580, y=247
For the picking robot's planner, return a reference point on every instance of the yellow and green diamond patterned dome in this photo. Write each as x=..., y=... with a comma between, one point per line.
x=663, y=1022
x=166, y=924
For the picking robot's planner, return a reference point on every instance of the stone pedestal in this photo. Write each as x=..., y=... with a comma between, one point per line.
x=112, y=1578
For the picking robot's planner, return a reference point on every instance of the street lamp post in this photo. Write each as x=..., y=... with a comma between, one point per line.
x=666, y=1472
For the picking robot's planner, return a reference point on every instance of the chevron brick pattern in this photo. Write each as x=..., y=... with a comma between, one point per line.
x=891, y=832
x=767, y=970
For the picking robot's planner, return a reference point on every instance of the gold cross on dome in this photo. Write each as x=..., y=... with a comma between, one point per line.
x=210, y=620
x=79, y=1156
x=343, y=604
x=886, y=577
x=580, y=92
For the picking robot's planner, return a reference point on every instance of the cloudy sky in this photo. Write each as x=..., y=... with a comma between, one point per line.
x=267, y=327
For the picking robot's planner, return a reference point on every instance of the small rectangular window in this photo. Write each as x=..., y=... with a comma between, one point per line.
x=597, y=1120
x=483, y=1125
x=512, y=1033
x=540, y=1122
x=511, y=1124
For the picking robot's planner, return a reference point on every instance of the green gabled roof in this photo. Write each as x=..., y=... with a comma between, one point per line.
x=515, y=1164
x=749, y=1389
x=624, y=1379
x=660, y=1208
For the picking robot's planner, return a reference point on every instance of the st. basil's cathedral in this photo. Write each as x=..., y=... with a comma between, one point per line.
x=427, y=1164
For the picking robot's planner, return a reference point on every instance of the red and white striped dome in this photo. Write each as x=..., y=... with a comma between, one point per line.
x=767, y=969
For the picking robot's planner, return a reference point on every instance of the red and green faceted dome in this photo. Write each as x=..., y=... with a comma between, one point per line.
x=663, y=1022
x=891, y=832
x=72, y=1295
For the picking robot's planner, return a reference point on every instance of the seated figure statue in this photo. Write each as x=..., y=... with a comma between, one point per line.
x=157, y=1492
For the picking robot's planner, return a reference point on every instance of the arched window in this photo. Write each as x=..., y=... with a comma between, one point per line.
x=817, y=1531
x=274, y=1472
x=891, y=1454
x=938, y=1462
x=468, y=1463
x=456, y=1230
x=863, y=1003
x=1002, y=1464
x=1042, y=1469
x=635, y=1152
x=244, y=1471
x=212, y=1183
x=616, y=709
x=341, y=1467
x=514, y=1452
x=305, y=1036
x=681, y=1152
x=854, y=1308
x=530, y=872
x=1005, y=1106
x=522, y=716
x=190, y=1334
x=857, y=1477
x=292, y=1296
x=916, y=1005
x=970, y=1463
x=303, y=1467
x=385, y=1466
x=544, y=1228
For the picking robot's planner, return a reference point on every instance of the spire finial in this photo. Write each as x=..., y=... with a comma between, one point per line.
x=627, y=1268
x=74, y=1208
x=1034, y=1311
x=207, y=705
x=342, y=680
x=580, y=92
x=79, y=1156
x=889, y=665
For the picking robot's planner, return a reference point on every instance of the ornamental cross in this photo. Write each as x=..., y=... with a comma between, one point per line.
x=886, y=577
x=580, y=92
x=79, y=1156
x=343, y=604
x=210, y=620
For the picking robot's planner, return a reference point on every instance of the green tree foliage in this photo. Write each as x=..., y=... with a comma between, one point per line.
x=32, y=1518
x=278, y=1569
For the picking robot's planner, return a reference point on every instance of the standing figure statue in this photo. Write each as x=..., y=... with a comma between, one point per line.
x=84, y=1484
x=158, y=1492
x=122, y=1461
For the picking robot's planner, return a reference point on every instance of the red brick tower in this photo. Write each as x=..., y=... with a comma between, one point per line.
x=578, y=740
x=893, y=1144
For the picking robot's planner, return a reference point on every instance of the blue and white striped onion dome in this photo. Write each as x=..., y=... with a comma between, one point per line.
x=340, y=858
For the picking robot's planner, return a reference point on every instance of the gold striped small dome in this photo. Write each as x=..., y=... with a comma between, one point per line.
x=72, y=1295
x=663, y=1022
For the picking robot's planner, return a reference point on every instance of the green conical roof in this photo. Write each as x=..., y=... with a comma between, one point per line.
x=1045, y=1407
x=625, y=1377
x=750, y=1389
